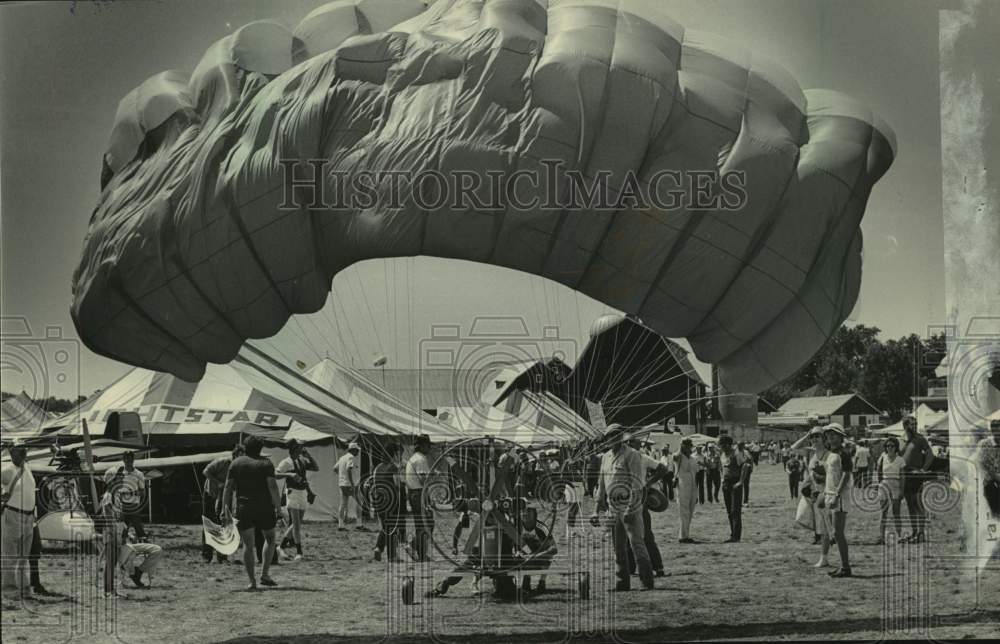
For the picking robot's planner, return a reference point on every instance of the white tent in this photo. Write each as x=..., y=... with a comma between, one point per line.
x=21, y=417
x=484, y=420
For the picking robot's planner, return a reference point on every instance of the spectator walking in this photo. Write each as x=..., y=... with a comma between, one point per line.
x=211, y=503
x=735, y=470
x=794, y=469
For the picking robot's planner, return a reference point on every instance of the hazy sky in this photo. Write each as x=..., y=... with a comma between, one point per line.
x=62, y=74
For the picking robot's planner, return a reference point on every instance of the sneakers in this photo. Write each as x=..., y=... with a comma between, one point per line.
x=267, y=581
x=841, y=572
x=297, y=557
x=822, y=563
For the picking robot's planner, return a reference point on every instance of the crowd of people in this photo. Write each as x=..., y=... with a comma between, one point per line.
x=620, y=471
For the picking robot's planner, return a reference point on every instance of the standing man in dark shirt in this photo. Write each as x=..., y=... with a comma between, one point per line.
x=251, y=478
x=735, y=471
x=387, y=496
x=713, y=474
x=917, y=459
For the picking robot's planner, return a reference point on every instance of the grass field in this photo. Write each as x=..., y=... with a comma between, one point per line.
x=762, y=588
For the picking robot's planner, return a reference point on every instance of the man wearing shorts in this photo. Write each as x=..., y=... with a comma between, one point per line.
x=251, y=479
x=917, y=459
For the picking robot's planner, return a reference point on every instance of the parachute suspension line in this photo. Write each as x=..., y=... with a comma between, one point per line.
x=331, y=312
x=277, y=366
x=628, y=382
x=350, y=332
x=368, y=307
x=631, y=394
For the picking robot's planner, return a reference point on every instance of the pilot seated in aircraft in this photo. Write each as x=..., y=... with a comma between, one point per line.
x=121, y=549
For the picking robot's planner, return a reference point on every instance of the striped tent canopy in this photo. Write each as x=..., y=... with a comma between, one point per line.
x=21, y=417
x=251, y=393
x=484, y=420
x=364, y=395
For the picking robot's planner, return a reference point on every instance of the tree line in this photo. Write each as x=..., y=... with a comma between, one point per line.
x=51, y=404
x=854, y=360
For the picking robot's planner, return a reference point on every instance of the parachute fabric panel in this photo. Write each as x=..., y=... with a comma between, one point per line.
x=190, y=252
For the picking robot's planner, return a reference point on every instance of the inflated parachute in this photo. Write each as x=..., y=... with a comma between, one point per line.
x=190, y=251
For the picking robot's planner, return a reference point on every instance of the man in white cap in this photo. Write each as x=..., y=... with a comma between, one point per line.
x=347, y=475
x=18, y=503
x=621, y=495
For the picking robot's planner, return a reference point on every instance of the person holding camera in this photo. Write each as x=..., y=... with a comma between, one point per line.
x=298, y=494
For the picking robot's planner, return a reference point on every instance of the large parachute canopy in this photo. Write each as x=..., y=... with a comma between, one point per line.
x=192, y=249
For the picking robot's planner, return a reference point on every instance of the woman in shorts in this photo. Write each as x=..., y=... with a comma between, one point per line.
x=296, y=468
x=889, y=471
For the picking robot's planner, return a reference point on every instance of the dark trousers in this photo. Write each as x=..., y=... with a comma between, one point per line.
x=655, y=559
x=699, y=478
x=746, y=490
x=668, y=485
x=793, y=485
x=713, y=484
x=33, y=556
x=422, y=524
x=392, y=530
x=210, y=508
x=734, y=509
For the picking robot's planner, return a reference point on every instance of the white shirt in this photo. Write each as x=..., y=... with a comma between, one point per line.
x=861, y=458
x=834, y=472
x=892, y=474
x=345, y=464
x=417, y=468
x=22, y=495
x=131, y=487
x=685, y=472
